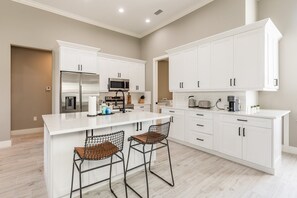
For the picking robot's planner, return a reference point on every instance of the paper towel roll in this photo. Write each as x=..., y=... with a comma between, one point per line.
x=92, y=106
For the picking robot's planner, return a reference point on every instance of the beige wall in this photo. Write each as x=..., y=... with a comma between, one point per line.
x=284, y=15
x=163, y=80
x=216, y=17
x=31, y=72
x=26, y=26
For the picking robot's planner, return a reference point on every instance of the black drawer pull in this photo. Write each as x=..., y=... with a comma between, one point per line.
x=172, y=111
x=199, y=114
x=200, y=125
x=241, y=120
x=200, y=139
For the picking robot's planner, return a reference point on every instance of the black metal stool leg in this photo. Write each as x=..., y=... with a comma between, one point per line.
x=151, y=157
x=124, y=170
x=145, y=170
x=128, y=156
x=72, y=176
x=110, y=171
x=80, y=186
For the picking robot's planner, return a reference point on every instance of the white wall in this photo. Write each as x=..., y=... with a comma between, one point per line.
x=284, y=15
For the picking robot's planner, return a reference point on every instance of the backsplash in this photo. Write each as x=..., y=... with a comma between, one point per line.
x=134, y=96
x=247, y=98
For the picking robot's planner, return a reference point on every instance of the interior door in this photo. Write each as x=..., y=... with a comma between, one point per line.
x=89, y=87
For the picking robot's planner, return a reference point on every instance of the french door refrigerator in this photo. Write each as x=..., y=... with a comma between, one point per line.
x=76, y=89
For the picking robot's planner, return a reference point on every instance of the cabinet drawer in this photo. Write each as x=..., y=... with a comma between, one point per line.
x=200, y=114
x=173, y=111
x=201, y=125
x=201, y=139
x=142, y=107
x=258, y=122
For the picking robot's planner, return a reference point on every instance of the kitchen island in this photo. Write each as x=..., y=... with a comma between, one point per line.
x=63, y=132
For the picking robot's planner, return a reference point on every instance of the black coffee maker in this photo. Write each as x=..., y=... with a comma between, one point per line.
x=233, y=103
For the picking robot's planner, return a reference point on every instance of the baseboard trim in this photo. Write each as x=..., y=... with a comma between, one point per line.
x=5, y=144
x=27, y=131
x=289, y=149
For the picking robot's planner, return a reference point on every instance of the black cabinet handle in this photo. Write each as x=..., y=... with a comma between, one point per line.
x=239, y=131
x=198, y=114
x=172, y=111
x=137, y=126
x=230, y=82
x=78, y=67
x=140, y=126
x=243, y=132
x=234, y=82
x=241, y=120
x=200, y=125
x=200, y=139
x=275, y=82
x=198, y=83
x=172, y=120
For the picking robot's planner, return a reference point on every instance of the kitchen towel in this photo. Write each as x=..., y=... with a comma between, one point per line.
x=92, y=106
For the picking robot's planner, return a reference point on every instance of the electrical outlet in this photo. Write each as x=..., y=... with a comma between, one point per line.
x=35, y=118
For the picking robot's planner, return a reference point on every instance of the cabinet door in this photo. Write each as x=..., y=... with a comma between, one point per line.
x=175, y=64
x=177, y=128
x=69, y=59
x=257, y=145
x=88, y=62
x=105, y=71
x=137, y=77
x=231, y=140
x=188, y=70
x=222, y=63
x=203, y=68
x=249, y=60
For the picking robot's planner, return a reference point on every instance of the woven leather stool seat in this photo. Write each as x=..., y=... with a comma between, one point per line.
x=149, y=138
x=97, y=152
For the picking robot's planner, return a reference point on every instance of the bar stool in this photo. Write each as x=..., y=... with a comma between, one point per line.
x=98, y=148
x=156, y=134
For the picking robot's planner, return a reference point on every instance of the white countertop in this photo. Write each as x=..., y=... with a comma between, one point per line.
x=263, y=113
x=73, y=122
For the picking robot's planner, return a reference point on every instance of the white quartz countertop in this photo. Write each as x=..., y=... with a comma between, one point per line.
x=73, y=122
x=263, y=113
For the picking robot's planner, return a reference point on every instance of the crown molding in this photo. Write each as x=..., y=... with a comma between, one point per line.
x=109, y=27
x=75, y=17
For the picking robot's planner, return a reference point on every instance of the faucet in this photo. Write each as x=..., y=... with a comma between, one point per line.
x=123, y=110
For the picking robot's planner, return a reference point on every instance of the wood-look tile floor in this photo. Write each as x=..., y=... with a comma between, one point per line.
x=197, y=174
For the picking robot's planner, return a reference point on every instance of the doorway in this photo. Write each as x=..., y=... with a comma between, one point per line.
x=161, y=94
x=31, y=95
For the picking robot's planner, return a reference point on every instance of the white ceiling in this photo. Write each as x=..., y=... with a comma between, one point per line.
x=104, y=13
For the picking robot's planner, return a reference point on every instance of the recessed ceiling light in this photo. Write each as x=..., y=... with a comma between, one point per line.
x=147, y=20
x=121, y=10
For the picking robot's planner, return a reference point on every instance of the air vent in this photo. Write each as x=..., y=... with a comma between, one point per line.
x=158, y=12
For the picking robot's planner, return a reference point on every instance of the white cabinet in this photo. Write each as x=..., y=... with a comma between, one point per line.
x=203, y=66
x=249, y=139
x=183, y=70
x=222, y=63
x=111, y=67
x=76, y=60
x=177, y=126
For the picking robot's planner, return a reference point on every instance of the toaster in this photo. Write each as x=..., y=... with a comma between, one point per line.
x=205, y=104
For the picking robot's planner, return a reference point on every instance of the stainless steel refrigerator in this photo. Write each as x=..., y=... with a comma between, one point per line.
x=76, y=89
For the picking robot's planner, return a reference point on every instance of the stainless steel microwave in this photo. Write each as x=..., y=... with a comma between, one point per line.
x=115, y=84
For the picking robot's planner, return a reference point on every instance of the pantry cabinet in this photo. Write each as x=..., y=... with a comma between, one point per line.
x=115, y=67
x=245, y=58
x=77, y=58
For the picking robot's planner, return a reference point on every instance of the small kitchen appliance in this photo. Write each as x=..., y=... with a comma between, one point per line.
x=234, y=104
x=115, y=84
x=191, y=102
x=204, y=104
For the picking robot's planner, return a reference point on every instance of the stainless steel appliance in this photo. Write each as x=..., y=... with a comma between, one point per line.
x=76, y=89
x=117, y=102
x=234, y=103
x=191, y=102
x=115, y=84
x=204, y=104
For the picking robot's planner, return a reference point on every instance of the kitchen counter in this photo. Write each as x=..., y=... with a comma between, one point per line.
x=63, y=132
x=263, y=113
x=73, y=122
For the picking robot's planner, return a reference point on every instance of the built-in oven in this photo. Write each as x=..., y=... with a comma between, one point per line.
x=115, y=84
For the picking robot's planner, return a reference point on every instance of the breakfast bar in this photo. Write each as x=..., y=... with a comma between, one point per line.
x=63, y=132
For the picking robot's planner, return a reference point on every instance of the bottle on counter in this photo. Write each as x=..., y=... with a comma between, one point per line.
x=103, y=108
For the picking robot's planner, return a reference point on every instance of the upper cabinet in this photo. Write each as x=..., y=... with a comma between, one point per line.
x=245, y=58
x=77, y=58
x=111, y=66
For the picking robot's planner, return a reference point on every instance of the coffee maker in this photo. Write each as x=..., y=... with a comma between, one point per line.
x=234, y=104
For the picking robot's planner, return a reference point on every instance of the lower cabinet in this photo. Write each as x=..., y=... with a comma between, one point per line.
x=177, y=126
x=245, y=141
